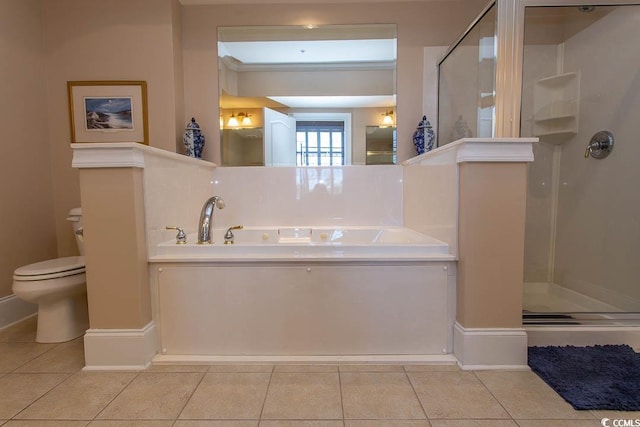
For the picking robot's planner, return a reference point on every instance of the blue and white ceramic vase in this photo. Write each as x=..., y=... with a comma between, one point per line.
x=424, y=138
x=193, y=140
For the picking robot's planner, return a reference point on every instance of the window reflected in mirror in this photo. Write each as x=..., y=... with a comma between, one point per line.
x=320, y=143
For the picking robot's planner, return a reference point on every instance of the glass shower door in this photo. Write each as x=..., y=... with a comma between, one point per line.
x=581, y=76
x=467, y=83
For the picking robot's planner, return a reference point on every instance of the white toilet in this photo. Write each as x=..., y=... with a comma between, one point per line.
x=59, y=287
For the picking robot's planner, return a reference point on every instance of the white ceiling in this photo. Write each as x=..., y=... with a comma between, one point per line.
x=310, y=51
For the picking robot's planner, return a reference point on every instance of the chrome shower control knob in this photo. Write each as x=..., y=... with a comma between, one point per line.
x=600, y=145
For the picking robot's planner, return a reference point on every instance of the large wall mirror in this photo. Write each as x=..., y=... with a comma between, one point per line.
x=304, y=95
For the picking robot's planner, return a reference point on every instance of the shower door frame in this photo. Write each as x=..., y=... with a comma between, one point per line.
x=514, y=12
x=510, y=52
x=510, y=38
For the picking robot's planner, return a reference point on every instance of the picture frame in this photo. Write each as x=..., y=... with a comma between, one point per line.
x=108, y=111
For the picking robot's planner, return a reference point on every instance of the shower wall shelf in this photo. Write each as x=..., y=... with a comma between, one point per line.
x=555, y=102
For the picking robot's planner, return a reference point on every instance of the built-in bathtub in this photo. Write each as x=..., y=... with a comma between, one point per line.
x=345, y=243
x=305, y=294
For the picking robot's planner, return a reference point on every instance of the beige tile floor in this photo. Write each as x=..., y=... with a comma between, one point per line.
x=44, y=385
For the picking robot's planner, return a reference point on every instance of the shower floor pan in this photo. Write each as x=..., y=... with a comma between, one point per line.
x=545, y=297
x=580, y=319
x=554, y=315
x=583, y=329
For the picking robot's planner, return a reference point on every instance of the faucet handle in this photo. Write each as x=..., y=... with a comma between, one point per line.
x=228, y=236
x=181, y=238
x=600, y=145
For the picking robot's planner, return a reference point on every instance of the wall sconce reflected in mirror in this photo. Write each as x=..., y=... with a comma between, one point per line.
x=241, y=120
x=233, y=121
x=387, y=119
x=246, y=119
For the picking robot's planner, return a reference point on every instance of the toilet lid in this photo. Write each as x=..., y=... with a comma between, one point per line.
x=59, y=267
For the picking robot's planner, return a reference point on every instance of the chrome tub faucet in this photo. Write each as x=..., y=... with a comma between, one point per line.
x=206, y=219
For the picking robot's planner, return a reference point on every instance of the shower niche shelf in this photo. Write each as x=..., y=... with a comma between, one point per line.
x=555, y=102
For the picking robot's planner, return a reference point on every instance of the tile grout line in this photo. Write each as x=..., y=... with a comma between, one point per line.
x=341, y=396
x=204, y=374
x=40, y=397
x=33, y=358
x=116, y=396
x=495, y=397
x=266, y=393
x=406, y=374
x=527, y=419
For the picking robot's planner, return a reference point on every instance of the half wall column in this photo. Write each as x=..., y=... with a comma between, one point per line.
x=122, y=333
x=492, y=193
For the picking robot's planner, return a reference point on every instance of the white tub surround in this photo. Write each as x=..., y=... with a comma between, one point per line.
x=337, y=277
x=304, y=311
x=319, y=299
x=341, y=279
x=305, y=294
x=338, y=196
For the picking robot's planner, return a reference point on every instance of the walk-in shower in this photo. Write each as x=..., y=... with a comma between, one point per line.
x=581, y=80
x=569, y=74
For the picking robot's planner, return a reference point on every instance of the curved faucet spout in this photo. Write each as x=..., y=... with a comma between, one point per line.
x=206, y=219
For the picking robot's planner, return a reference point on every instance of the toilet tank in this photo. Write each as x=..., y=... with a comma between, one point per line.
x=75, y=217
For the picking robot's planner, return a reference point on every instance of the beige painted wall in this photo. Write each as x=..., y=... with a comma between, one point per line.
x=420, y=24
x=26, y=199
x=126, y=40
x=116, y=248
x=491, y=244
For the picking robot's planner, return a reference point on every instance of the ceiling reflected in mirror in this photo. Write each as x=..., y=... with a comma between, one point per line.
x=353, y=58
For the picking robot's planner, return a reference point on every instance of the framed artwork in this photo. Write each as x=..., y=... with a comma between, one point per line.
x=108, y=111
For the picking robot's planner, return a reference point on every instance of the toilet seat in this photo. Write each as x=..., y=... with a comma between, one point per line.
x=50, y=269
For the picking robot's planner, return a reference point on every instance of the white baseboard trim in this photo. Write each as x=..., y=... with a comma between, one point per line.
x=165, y=359
x=14, y=310
x=490, y=348
x=120, y=349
